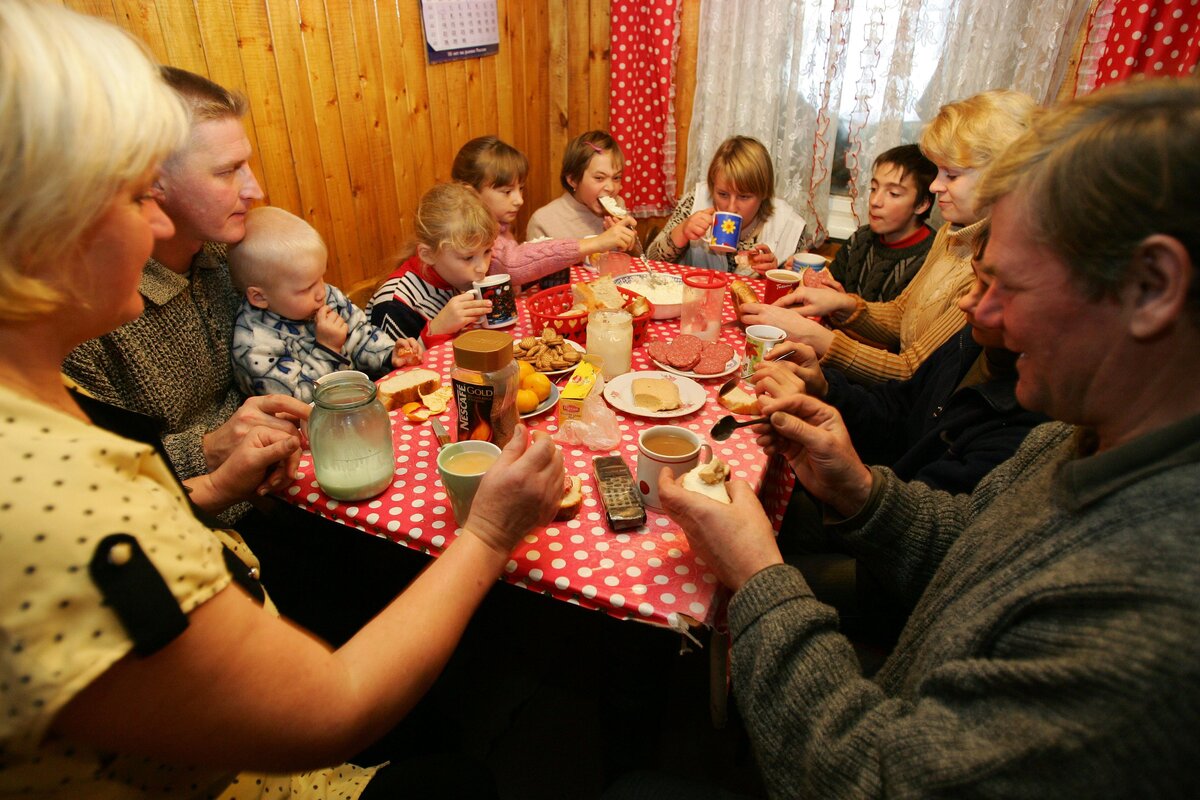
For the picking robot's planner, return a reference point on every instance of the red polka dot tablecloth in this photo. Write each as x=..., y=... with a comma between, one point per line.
x=1155, y=38
x=641, y=112
x=648, y=574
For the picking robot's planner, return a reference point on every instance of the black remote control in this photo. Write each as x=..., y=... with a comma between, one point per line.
x=622, y=501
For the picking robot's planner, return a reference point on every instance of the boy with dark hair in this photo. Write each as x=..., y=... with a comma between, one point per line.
x=881, y=257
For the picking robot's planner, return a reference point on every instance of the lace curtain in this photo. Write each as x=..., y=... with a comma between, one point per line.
x=778, y=70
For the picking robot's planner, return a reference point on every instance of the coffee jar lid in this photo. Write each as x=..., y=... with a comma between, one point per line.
x=483, y=350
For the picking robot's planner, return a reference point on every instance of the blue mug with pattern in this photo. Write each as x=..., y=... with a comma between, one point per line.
x=726, y=229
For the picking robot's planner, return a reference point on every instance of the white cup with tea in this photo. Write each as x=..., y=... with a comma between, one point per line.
x=462, y=466
x=666, y=447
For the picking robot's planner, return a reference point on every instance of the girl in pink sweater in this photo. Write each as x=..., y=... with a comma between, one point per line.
x=497, y=171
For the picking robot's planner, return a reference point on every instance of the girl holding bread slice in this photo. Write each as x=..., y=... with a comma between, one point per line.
x=497, y=172
x=592, y=170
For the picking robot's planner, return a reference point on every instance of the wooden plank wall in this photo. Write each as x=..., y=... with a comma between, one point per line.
x=349, y=123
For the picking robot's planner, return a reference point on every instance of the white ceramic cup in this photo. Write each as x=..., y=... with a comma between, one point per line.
x=802, y=261
x=650, y=463
x=498, y=289
x=760, y=339
x=461, y=486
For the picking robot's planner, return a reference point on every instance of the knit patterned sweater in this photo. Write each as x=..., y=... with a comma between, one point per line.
x=906, y=330
x=172, y=362
x=1054, y=651
x=867, y=267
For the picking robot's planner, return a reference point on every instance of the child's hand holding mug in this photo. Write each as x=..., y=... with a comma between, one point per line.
x=332, y=330
x=462, y=310
x=694, y=227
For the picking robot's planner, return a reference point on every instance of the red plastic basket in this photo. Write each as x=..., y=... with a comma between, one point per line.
x=546, y=311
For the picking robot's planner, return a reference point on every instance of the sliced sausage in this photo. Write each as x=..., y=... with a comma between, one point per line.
x=714, y=359
x=685, y=351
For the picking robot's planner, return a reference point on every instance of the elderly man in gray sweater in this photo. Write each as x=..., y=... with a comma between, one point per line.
x=1055, y=646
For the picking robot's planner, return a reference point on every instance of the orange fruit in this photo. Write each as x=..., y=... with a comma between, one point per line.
x=539, y=384
x=527, y=401
x=526, y=369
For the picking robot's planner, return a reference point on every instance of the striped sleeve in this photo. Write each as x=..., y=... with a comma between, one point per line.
x=866, y=364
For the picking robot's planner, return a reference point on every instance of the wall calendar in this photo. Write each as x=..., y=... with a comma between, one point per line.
x=458, y=29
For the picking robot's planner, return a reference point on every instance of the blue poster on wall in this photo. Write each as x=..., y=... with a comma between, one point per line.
x=458, y=29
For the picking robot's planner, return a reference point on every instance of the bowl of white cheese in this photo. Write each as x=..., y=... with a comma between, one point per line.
x=664, y=291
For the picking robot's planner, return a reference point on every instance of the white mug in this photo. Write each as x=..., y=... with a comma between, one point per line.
x=803, y=261
x=498, y=289
x=651, y=462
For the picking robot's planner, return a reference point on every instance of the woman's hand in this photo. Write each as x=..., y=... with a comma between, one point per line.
x=812, y=437
x=820, y=301
x=521, y=492
x=332, y=330
x=735, y=539
x=797, y=327
x=462, y=310
x=694, y=227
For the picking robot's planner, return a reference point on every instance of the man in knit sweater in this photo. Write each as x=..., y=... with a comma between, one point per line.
x=882, y=257
x=172, y=363
x=1054, y=650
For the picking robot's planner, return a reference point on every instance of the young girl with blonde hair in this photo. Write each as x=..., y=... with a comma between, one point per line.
x=497, y=172
x=428, y=295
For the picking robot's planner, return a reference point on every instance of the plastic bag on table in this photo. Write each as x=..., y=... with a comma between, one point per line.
x=596, y=428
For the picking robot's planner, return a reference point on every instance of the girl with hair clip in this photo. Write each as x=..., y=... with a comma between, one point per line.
x=429, y=293
x=497, y=172
x=741, y=179
x=592, y=170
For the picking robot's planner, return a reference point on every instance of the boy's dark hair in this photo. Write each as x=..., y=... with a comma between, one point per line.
x=909, y=159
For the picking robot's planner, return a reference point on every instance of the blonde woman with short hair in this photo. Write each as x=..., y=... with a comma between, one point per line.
x=876, y=342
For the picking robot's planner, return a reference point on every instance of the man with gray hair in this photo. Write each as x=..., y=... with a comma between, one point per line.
x=1054, y=650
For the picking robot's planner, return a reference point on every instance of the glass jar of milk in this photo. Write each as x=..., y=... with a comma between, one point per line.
x=351, y=437
x=610, y=336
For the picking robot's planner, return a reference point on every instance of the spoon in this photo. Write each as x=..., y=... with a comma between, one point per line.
x=727, y=424
x=728, y=385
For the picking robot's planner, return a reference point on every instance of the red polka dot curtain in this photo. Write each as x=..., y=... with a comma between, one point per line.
x=641, y=117
x=1139, y=37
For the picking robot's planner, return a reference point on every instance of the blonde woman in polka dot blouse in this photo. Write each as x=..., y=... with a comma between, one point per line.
x=134, y=663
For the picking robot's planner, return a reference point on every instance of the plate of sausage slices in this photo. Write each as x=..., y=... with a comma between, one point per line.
x=694, y=358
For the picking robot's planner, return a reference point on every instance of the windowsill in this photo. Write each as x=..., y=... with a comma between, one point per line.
x=841, y=220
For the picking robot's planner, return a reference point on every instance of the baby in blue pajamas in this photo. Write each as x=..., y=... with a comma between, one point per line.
x=292, y=327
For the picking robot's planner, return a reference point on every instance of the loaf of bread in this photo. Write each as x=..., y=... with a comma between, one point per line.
x=407, y=387
x=655, y=394
x=741, y=292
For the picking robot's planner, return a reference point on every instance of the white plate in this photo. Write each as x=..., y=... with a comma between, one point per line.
x=619, y=393
x=730, y=367
x=545, y=405
x=564, y=370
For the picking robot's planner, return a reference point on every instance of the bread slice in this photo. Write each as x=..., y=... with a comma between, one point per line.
x=612, y=207
x=741, y=292
x=407, y=387
x=655, y=394
x=739, y=401
x=601, y=293
x=572, y=498
x=709, y=480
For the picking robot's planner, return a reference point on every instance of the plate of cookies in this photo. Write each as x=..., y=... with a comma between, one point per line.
x=550, y=353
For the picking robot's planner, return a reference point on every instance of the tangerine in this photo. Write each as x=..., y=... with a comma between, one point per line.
x=527, y=369
x=527, y=401
x=539, y=384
